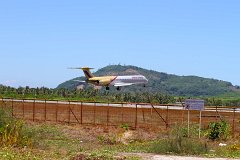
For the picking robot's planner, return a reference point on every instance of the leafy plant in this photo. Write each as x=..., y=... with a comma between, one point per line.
x=179, y=142
x=235, y=147
x=101, y=155
x=107, y=140
x=181, y=130
x=12, y=132
x=179, y=145
x=133, y=158
x=219, y=130
x=125, y=126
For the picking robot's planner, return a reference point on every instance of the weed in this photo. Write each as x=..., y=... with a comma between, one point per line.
x=12, y=132
x=179, y=145
x=101, y=139
x=133, y=158
x=101, y=155
x=235, y=147
x=110, y=140
x=219, y=130
x=180, y=130
x=125, y=126
x=227, y=152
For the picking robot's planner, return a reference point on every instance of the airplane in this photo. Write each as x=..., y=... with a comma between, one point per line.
x=117, y=81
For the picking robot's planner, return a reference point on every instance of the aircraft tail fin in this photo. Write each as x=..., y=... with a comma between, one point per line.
x=86, y=70
x=88, y=74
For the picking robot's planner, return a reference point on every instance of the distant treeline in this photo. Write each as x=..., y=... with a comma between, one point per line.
x=91, y=94
x=88, y=94
x=160, y=82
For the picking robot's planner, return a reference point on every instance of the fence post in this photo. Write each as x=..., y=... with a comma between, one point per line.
x=122, y=112
x=81, y=112
x=216, y=113
x=94, y=113
x=23, y=105
x=188, y=122
x=45, y=111
x=233, y=125
x=34, y=101
x=151, y=112
x=143, y=114
x=136, y=118
x=167, y=118
x=69, y=112
x=108, y=115
x=183, y=110
x=57, y=112
x=12, y=107
x=200, y=124
x=2, y=102
x=183, y=113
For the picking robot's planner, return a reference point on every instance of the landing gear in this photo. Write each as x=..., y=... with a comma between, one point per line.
x=118, y=88
x=107, y=88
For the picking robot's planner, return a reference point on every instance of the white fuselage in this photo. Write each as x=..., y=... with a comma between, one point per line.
x=133, y=79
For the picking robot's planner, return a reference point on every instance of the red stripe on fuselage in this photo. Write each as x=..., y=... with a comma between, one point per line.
x=113, y=79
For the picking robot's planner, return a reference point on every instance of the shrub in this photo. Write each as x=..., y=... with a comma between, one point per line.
x=125, y=126
x=12, y=132
x=180, y=130
x=101, y=155
x=111, y=140
x=179, y=143
x=218, y=130
x=235, y=147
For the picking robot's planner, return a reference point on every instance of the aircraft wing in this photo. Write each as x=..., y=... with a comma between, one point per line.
x=93, y=81
x=122, y=84
x=79, y=81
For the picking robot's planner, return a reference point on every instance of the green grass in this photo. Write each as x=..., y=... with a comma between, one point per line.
x=53, y=141
x=182, y=146
x=48, y=143
x=173, y=145
x=133, y=158
x=101, y=154
x=54, y=144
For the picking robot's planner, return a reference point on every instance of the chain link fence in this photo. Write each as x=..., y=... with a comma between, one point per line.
x=132, y=114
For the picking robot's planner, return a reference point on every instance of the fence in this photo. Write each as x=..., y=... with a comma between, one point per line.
x=135, y=115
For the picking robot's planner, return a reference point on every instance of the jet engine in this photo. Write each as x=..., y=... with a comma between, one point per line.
x=104, y=82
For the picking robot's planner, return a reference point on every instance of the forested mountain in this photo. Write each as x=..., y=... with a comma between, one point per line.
x=163, y=82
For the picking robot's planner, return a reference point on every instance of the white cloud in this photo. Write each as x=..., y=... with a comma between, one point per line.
x=9, y=82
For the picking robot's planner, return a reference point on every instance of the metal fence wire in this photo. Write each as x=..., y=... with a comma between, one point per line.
x=133, y=114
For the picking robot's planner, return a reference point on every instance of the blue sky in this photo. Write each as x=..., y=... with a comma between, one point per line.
x=39, y=40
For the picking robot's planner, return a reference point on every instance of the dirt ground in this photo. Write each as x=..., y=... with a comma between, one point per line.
x=149, y=156
x=89, y=134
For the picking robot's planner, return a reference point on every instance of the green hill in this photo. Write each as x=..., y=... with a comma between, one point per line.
x=163, y=82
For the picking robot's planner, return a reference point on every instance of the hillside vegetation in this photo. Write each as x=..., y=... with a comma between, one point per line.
x=165, y=83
